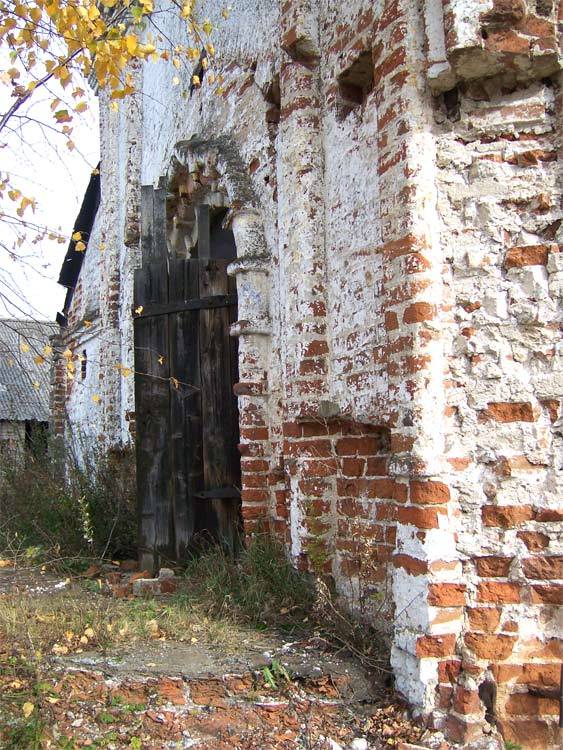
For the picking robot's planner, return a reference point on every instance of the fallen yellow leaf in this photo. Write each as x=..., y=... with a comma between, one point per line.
x=27, y=709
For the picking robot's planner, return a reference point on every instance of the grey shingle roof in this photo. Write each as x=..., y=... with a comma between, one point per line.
x=19, y=398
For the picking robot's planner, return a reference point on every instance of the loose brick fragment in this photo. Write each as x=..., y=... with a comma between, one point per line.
x=484, y=619
x=498, y=593
x=543, y=567
x=423, y=493
x=495, y=647
x=493, y=566
x=528, y=255
x=506, y=516
x=419, y=312
x=446, y=594
x=504, y=411
x=435, y=645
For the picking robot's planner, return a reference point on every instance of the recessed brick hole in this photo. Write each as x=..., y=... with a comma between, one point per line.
x=452, y=104
x=273, y=93
x=544, y=8
x=355, y=83
x=488, y=696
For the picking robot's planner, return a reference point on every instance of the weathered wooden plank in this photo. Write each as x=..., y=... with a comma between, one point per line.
x=203, y=232
x=152, y=400
x=147, y=204
x=185, y=404
x=220, y=423
x=159, y=243
x=152, y=392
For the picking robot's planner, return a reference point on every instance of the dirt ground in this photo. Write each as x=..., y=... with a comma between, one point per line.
x=263, y=691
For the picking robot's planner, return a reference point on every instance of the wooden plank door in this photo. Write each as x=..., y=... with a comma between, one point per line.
x=188, y=466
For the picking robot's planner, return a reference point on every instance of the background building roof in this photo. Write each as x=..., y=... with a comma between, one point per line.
x=24, y=384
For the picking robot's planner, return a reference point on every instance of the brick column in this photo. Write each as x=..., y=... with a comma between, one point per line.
x=301, y=214
x=427, y=590
x=253, y=329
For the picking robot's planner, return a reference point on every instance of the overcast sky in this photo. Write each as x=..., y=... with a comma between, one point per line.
x=43, y=168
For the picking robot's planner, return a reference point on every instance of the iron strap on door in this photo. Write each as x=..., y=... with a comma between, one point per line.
x=207, y=303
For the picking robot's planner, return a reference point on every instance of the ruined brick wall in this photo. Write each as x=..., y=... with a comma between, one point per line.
x=393, y=181
x=94, y=401
x=500, y=206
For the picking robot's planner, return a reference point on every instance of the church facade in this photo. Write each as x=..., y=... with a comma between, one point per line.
x=386, y=177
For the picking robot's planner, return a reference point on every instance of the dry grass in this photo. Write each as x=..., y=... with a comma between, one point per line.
x=77, y=620
x=219, y=600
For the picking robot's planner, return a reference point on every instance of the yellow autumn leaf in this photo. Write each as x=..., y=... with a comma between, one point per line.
x=131, y=43
x=126, y=371
x=89, y=632
x=175, y=81
x=67, y=354
x=24, y=347
x=36, y=385
x=5, y=564
x=39, y=360
x=87, y=323
x=207, y=26
x=160, y=359
x=175, y=382
x=139, y=310
x=80, y=247
x=27, y=709
x=196, y=80
x=96, y=398
x=47, y=350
